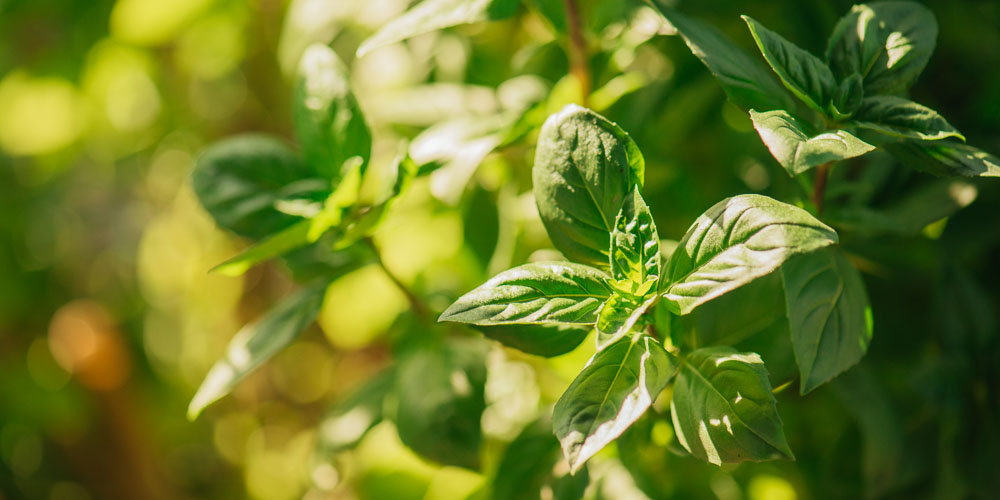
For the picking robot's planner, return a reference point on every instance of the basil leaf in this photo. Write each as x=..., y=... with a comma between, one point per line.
x=619, y=316
x=585, y=167
x=887, y=43
x=441, y=393
x=744, y=79
x=433, y=15
x=615, y=388
x=911, y=214
x=257, y=342
x=903, y=118
x=541, y=340
x=240, y=180
x=328, y=121
x=554, y=293
x=828, y=314
x=804, y=74
x=798, y=151
x=736, y=241
x=530, y=464
x=850, y=92
x=945, y=158
x=346, y=423
x=635, y=244
x=723, y=409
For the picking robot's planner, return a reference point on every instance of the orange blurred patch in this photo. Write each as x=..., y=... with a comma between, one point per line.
x=85, y=341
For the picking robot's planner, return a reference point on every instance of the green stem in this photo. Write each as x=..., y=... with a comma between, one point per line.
x=419, y=308
x=819, y=186
x=578, y=57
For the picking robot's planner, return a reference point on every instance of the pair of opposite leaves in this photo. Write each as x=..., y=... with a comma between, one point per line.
x=586, y=169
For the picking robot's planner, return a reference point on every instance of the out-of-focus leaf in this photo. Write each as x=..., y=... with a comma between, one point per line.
x=258, y=342
x=723, y=409
x=746, y=81
x=910, y=215
x=540, y=340
x=798, y=150
x=328, y=122
x=903, y=118
x=585, y=167
x=828, y=314
x=736, y=241
x=887, y=43
x=240, y=180
x=945, y=158
x=346, y=422
x=545, y=293
x=527, y=467
x=441, y=402
x=613, y=390
x=804, y=74
x=432, y=15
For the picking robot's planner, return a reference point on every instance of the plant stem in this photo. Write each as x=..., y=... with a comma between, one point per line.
x=578, y=59
x=819, y=186
x=419, y=308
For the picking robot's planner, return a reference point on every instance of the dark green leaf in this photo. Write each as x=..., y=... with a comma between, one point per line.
x=257, y=342
x=552, y=293
x=799, y=151
x=441, y=402
x=346, y=422
x=613, y=390
x=887, y=43
x=723, y=409
x=540, y=340
x=850, y=92
x=635, y=244
x=585, y=167
x=828, y=314
x=328, y=122
x=910, y=215
x=433, y=15
x=945, y=158
x=903, y=118
x=736, y=241
x=241, y=180
x=746, y=81
x=804, y=74
x=527, y=467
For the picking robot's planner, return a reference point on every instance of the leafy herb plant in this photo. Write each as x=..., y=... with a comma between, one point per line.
x=588, y=175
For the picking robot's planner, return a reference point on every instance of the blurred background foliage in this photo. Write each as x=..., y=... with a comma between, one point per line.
x=109, y=318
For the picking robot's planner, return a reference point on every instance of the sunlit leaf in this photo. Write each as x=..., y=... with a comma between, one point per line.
x=619, y=316
x=432, y=15
x=903, y=118
x=346, y=422
x=635, y=244
x=798, y=150
x=945, y=158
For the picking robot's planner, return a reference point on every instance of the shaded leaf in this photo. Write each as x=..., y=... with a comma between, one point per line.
x=433, y=15
x=828, y=314
x=553, y=293
x=529, y=465
x=798, y=151
x=540, y=340
x=723, y=409
x=736, y=241
x=848, y=98
x=804, y=74
x=945, y=158
x=920, y=207
x=585, y=167
x=615, y=388
x=903, y=118
x=346, y=422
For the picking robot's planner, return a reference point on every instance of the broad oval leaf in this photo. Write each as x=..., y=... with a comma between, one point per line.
x=798, y=150
x=745, y=80
x=828, y=314
x=441, y=393
x=736, y=241
x=531, y=464
x=258, y=342
x=945, y=158
x=887, y=43
x=540, y=293
x=903, y=118
x=723, y=409
x=540, y=340
x=585, y=167
x=635, y=244
x=328, y=121
x=615, y=388
x=241, y=180
x=804, y=74
x=433, y=15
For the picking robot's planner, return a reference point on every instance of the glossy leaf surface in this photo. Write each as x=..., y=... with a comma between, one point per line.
x=804, y=74
x=798, y=151
x=904, y=118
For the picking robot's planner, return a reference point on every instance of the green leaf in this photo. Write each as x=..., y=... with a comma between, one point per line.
x=370, y=217
x=345, y=423
x=257, y=342
x=585, y=167
x=530, y=464
x=615, y=388
x=723, y=409
x=241, y=180
x=887, y=43
x=903, y=118
x=799, y=151
x=441, y=393
x=433, y=15
x=540, y=340
x=619, y=316
x=746, y=81
x=328, y=122
x=804, y=74
x=736, y=241
x=848, y=98
x=828, y=314
x=635, y=244
x=541, y=293
x=911, y=214
x=945, y=158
